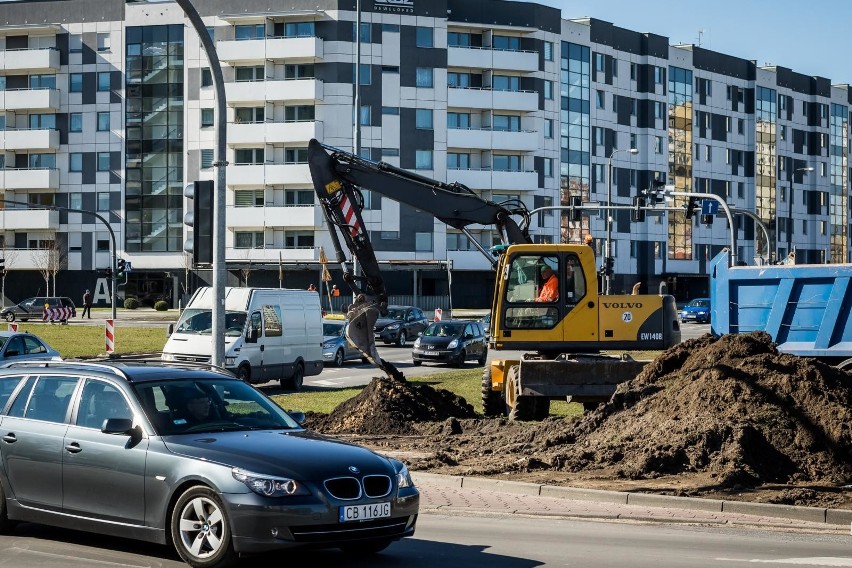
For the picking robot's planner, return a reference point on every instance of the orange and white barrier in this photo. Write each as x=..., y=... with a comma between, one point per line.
x=439, y=313
x=13, y=327
x=109, y=335
x=56, y=314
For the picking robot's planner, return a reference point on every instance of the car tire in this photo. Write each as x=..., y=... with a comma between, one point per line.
x=200, y=529
x=365, y=548
x=338, y=358
x=244, y=373
x=417, y=362
x=461, y=359
x=402, y=340
x=10, y=317
x=483, y=359
x=295, y=381
x=5, y=524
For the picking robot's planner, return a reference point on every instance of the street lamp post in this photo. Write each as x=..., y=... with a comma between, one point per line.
x=790, y=212
x=608, y=243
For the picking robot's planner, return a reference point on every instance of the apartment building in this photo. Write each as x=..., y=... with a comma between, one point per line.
x=109, y=108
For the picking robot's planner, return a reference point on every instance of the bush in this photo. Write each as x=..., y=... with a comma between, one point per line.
x=131, y=303
x=161, y=306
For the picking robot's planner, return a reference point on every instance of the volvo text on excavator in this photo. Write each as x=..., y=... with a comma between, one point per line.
x=562, y=331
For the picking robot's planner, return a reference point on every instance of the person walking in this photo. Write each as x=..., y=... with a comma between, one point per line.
x=312, y=288
x=87, y=305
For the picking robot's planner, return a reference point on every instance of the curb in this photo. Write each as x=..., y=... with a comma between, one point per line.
x=833, y=517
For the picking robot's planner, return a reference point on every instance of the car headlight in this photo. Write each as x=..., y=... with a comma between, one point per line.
x=453, y=344
x=393, y=326
x=403, y=477
x=230, y=361
x=268, y=486
x=417, y=343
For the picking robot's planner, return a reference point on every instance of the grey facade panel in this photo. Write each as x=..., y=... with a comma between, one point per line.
x=17, y=42
x=90, y=46
x=421, y=139
x=718, y=124
x=414, y=222
x=90, y=164
x=724, y=64
x=115, y=205
x=193, y=84
x=115, y=86
x=87, y=255
x=229, y=7
x=90, y=201
x=413, y=57
x=62, y=46
x=61, y=11
x=62, y=126
x=503, y=13
x=627, y=40
x=90, y=88
x=193, y=164
x=15, y=82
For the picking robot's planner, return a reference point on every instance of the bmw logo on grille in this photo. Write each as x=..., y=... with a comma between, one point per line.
x=354, y=469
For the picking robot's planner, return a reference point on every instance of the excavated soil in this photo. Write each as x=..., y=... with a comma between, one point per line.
x=727, y=417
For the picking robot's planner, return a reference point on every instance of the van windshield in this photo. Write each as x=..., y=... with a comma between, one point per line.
x=200, y=322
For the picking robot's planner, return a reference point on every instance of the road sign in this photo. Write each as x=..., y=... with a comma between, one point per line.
x=127, y=266
x=709, y=207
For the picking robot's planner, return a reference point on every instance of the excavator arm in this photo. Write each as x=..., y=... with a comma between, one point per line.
x=338, y=176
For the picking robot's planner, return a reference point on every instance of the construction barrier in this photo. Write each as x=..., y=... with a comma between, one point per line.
x=109, y=334
x=56, y=314
x=439, y=313
x=13, y=327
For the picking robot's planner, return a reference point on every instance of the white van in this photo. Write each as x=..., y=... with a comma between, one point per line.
x=270, y=334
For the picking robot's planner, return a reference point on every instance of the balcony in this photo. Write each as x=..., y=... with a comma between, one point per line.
x=258, y=175
x=270, y=255
x=29, y=219
x=43, y=60
x=25, y=139
x=274, y=132
x=29, y=178
x=305, y=49
x=261, y=91
x=487, y=58
x=487, y=99
x=492, y=139
x=492, y=179
x=30, y=99
x=309, y=216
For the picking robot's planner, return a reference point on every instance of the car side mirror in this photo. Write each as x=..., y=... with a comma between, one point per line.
x=170, y=330
x=118, y=426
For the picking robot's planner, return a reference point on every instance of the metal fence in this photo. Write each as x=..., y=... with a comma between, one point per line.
x=426, y=303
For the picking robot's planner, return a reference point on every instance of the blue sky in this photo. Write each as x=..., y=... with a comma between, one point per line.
x=809, y=37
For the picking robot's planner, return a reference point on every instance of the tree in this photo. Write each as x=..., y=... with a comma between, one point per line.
x=51, y=259
x=9, y=256
x=247, y=268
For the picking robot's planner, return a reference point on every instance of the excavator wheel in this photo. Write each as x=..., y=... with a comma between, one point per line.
x=518, y=407
x=492, y=401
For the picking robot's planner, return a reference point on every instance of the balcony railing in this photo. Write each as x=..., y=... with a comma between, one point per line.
x=39, y=59
x=29, y=99
x=29, y=178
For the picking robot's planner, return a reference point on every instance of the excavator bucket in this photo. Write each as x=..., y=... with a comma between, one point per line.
x=362, y=316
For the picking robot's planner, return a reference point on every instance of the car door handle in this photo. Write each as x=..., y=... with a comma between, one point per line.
x=261, y=347
x=74, y=448
x=10, y=438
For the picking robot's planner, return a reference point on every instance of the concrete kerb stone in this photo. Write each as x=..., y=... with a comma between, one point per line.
x=835, y=517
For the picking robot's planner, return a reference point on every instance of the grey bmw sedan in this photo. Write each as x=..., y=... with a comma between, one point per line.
x=190, y=457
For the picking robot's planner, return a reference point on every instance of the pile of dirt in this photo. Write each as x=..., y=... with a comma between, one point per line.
x=708, y=415
x=388, y=406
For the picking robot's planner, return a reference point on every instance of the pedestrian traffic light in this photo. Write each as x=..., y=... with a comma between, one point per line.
x=120, y=267
x=200, y=242
x=638, y=213
x=691, y=206
x=575, y=214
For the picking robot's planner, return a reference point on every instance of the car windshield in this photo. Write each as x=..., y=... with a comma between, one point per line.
x=332, y=329
x=396, y=314
x=699, y=303
x=3, y=341
x=444, y=330
x=209, y=405
x=200, y=322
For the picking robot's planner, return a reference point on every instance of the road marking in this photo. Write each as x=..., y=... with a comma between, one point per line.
x=813, y=561
x=327, y=383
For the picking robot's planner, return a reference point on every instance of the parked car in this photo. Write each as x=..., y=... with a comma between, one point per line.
x=189, y=456
x=400, y=324
x=698, y=310
x=486, y=325
x=15, y=346
x=451, y=341
x=33, y=308
x=335, y=347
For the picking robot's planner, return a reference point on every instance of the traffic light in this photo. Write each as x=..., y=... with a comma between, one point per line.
x=707, y=219
x=638, y=213
x=690, y=207
x=608, y=269
x=119, y=268
x=200, y=218
x=656, y=192
x=2, y=266
x=575, y=214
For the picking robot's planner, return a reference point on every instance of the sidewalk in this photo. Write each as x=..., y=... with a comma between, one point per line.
x=469, y=495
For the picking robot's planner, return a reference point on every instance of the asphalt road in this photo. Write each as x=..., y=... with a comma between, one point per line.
x=497, y=541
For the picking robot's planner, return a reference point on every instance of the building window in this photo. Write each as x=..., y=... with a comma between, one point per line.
x=392, y=111
x=659, y=110
x=298, y=239
x=102, y=245
x=248, y=239
x=506, y=163
x=389, y=235
x=548, y=128
x=299, y=197
x=206, y=158
x=75, y=43
x=423, y=160
x=299, y=71
x=103, y=161
x=206, y=117
x=366, y=77
x=390, y=28
x=104, y=81
x=423, y=119
x=506, y=43
x=366, y=115
x=658, y=144
x=251, y=115
x=506, y=123
x=458, y=80
x=103, y=42
x=458, y=161
x=75, y=162
x=423, y=242
x=42, y=81
x=548, y=167
x=295, y=155
x=75, y=122
x=253, y=73
x=425, y=37
x=459, y=120
x=424, y=77
x=248, y=198
x=249, y=31
x=548, y=51
x=75, y=83
x=458, y=39
x=299, y=29
x=506, y=83
x=103, y=201
x=741, y=126
x=600, y=101
x=206, y=77
x=103, y=122
x=548, y=90
x=248, y=156
x=299, y=113
x=75, y=200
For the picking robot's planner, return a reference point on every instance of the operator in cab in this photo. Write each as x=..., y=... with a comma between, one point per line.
x=549, y=291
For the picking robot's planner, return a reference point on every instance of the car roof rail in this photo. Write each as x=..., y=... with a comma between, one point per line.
x=142, y=361
x=77, y=364
x=114, y=365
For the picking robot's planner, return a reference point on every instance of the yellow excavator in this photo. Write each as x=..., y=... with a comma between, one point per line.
x=545, y=300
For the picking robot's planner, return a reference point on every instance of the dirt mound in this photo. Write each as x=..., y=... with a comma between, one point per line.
x=387, y=406
x=733, y=407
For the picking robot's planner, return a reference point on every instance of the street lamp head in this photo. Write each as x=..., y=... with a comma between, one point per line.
x=808, y=169
x=633, y=151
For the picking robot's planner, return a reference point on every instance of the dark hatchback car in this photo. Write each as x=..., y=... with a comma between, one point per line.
x=451, y=341
x=187, y=456
x=33, y=308
x=400, y=324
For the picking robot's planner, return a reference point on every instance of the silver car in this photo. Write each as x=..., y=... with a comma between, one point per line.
x=188, y=456
x=335, y=348
x=19, y=346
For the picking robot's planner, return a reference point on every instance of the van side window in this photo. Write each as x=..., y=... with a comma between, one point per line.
x=272, y=320
x=255, y=326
